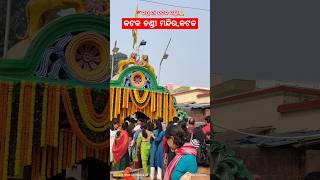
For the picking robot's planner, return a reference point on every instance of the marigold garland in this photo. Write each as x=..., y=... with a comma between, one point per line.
x=33, y=94
x=49, y=163
x=159, y=105
x=2, y=123
x=140, y=99
x=73, y=152
x=153, y=102
x=43, y=162
x=65, y=150
x=35, y=163
x=125, y=102
x=111, y=102
x=74, y=126
x=61, y=149
x=44, y=116
x=56, y=118
x=60, y=156
x=165, y=108
x=91, y=122
x=99, y=117
x=170, y=108
x=79, y=150
x=49, y=123
x=55, y=161
x=117, y=102
x=17, y=169
x=6, y=137
x=128, y=101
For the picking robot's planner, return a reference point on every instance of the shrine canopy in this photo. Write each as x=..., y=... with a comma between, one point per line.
x=135, y=89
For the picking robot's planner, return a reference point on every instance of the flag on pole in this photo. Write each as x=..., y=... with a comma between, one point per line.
x=134, y=31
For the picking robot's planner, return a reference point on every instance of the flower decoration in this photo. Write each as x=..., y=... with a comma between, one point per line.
x=88, y=57
x=94, y=6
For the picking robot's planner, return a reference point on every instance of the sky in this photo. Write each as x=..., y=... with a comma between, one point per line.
x=267, y=39
x=188, y=63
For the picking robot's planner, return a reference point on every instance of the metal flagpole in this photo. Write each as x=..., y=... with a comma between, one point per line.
x=7, y=30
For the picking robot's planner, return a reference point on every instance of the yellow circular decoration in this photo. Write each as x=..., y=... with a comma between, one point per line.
x=87, y=57
x=138, y=79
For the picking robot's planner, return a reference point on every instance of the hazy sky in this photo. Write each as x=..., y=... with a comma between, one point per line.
x=267, y=39
x=189, y=53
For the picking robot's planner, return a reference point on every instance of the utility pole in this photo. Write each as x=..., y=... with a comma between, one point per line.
x=165, y=56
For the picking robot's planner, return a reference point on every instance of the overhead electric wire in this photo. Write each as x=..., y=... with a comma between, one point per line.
x=264, y=136
x=172, y=5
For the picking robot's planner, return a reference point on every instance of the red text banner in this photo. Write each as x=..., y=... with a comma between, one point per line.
x=159, y=23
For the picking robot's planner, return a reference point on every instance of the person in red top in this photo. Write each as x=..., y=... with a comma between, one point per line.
x=207, y=127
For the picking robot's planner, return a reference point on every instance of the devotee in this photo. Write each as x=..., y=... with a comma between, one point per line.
x=175, y=120
x=137, y=163
x=146, y=134
x=185, y=158
x=113, y=130
x=199, y=141
x=138, y=125
x=131, y=125
x=191, y=124
x=159, y=155
x=207, y=127
x=154, y=147
x=120, y=150
x=168, y=153
x=130, y=131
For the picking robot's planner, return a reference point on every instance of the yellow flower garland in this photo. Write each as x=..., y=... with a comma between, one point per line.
x=111, y=102
x=159, y=105
x=74, y=126
x=90, y=123
x=44, y=116
x=43, y=162
x=117, y=102
x=135, y=98
x=125, y=98
x=170, y=108
x=33, y=93
x=99, y=117
x=56, y=119
x=73, y=153
x=165, y=108
x=17, y=169
x=3, y=95
x=7, y=137
x=60, y=156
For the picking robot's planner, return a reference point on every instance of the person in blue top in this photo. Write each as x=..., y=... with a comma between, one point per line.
x=185, y=161
x=155, y=156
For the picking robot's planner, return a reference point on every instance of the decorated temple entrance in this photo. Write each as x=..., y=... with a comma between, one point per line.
x=135, y=89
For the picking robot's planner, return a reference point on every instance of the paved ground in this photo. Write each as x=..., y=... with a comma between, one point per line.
x=203, y=174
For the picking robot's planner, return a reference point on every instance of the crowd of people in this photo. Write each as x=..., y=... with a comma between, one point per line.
x=167, y=152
